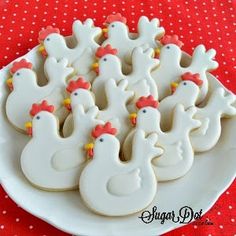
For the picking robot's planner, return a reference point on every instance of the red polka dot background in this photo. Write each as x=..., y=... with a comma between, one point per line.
x=208, y=22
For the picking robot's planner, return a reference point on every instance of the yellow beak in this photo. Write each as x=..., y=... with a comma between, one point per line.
x=29, y=130
x=105, y=32
x=133, y=118
x=67, y=104
x=89, y=149
x=157, y=52
x=174, y=86
x=10, y=83
x=42, y=50
x=95, y=67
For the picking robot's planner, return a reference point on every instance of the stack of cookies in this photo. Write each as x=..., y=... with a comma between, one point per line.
x=119, y=113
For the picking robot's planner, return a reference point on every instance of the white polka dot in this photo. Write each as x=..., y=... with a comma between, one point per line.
x=221, y=227
x=31, y=227
x=233, y=220
x=2, y=226
x=230, y=207
x=17, y=219
x=218, y=213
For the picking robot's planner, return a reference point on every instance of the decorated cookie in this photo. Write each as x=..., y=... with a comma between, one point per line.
x=178, y=155
x=186, y=93
x=113, y=188
x=115, y=112
x=170, y=66
x=49, y=161
x=26, y=91
x=118, y=35
x=221, y=104
x=139, y=81
x=83, y=45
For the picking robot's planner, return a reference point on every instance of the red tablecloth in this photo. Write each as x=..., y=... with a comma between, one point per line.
x=211, y=22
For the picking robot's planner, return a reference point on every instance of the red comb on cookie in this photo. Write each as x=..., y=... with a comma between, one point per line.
x=171, y=39
x=45, y=32
x=192, y=77
x=103, y=129
x=43, y=106
x=115, y=17
x=76, y=84
x=102, y=51
x=17, y=65
x=147, y=102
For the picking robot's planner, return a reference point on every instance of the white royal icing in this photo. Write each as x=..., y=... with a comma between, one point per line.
x=170, y=68
x=219, y=105
x=139, y=80
x=27, y=91
x=118, y=37
x=178, y=155
x=186, y=94
x=52, y=162
x=121, y=188
x=81, y=54
x=115, y=112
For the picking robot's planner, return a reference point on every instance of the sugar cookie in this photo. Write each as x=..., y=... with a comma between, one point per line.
x=139, y=81
x=186, y=93
x=118, y=36
x=26, y=91
x=121, y=188
x=116, y=111
x=178, y=155
x=49, y=161
x=218, y=106
x=170, y=66
x=80, y=53
x=221, y=104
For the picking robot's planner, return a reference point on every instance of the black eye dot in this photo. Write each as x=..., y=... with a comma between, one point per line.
x=75, y=94
x=144, y=111
x=101, y=140
x=48, y=39
x=168, y=47
x=104, y=59
x=38, y=117
x=185, y=83
x=17, y=73
x=112, y=26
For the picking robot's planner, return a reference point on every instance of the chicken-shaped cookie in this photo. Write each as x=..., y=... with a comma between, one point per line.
x=114, y=188
x=82, y=48
x=49, y=161
x=170, y=66
x=139, y=81
x=186, y=93
x=26, y=91
x=118, y=36
x=116, y=111
x=178, y=155
x=220, y=104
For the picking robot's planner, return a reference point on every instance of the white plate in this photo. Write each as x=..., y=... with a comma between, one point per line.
x=211, y=174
